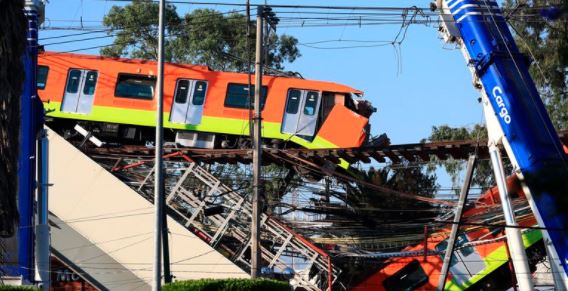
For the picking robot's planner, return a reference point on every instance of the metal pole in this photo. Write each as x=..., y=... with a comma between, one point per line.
x=42, y=227
x=29, y=126
x=425, y=243
x=560, y=278
x=514, y=238
x=510, y=262
x=456, y=225
x=257, y=152
x=329, y=274
x=249, y=77
x=165, y=242
x=559, y=281
x=159, y=178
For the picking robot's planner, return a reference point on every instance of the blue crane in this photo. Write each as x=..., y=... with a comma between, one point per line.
x=516, y=119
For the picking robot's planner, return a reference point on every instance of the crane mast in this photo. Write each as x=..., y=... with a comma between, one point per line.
x=516, y=119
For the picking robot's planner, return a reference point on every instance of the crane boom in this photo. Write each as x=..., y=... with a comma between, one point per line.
x=501, y=73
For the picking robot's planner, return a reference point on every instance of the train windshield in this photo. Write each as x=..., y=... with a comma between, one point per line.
x=466, y=262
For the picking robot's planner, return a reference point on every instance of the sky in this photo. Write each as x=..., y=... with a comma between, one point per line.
x=417, y=85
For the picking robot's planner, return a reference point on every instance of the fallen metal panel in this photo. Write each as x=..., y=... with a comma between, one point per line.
x=89, y=261
x=116, y=219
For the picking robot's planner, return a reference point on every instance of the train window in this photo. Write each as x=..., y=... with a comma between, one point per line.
x=293, y=101
x=42, y=72
x=90, y=83
x=73, y=81
x=135, y=86
x=237, y=96
x=410, y=277
x=441, y=248
x=181, y=92
x=311, y=103
x=199, y=92
x=461, y=240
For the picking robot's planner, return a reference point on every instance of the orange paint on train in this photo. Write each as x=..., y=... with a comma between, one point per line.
x=337, y=129
x=109, y=68
x=433, y=263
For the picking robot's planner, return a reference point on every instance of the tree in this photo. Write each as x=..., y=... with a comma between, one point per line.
x=405, y=178
x=204, y=36
x=135, y=27
x=541, y=34
x=483, y=175
x=278, y=181
x=12, y=46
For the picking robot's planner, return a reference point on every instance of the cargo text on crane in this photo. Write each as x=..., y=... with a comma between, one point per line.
x=503, y=112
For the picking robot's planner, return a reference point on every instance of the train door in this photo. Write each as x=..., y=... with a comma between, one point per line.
x=188, y=102
x=301, y=112
x=79, y=91
x=466, y=261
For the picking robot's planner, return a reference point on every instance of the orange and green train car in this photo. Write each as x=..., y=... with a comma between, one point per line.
x=480, y=260
x=202, y=108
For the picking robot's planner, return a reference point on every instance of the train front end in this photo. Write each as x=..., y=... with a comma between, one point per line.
x=328, y=116
x=348, y=125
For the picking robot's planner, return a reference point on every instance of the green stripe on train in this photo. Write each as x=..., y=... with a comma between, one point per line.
x=495, y=260
x=208, y=124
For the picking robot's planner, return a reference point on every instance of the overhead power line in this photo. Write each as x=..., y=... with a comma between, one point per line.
x=323, y=7
x=74, y=34
x=78, y=40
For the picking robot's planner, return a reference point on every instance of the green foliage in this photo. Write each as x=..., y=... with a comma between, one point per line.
x=483, y=175
x=547, y=42
x=204, y=36
x=278, y=181
x=17, y=288
x=135, y=28
x=228, y=285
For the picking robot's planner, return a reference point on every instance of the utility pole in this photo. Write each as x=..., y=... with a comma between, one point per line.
x=42, y=226
x=250, y=101
x=159, y=178
x=257, y=151
x=165, y=241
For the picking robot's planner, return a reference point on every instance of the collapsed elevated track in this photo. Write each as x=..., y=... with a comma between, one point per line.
x=323, y=161
x=413, y=152
x=191, y=194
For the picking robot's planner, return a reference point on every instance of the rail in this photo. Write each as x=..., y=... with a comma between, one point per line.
x=414, y=152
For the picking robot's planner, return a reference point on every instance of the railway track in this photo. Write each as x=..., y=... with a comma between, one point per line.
x=414, y=152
